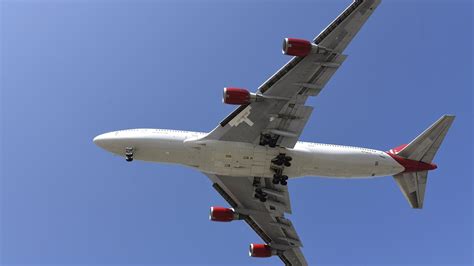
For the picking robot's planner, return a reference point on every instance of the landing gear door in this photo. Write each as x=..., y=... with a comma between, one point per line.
x=261, y=160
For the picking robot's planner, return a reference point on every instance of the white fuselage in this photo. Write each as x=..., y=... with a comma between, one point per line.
x=244, y=159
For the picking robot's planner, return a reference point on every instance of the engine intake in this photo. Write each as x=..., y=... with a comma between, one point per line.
x=221, y=214
x=261, y=251
x=237, y=96
x=300, y=47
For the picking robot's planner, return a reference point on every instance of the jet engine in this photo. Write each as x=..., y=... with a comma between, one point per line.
x=221, y=214
x=238, y=96
x=299, y=47
x=260, y=251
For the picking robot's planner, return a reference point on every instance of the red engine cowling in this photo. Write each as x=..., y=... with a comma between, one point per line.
x=236, y=96
x=296, y=47
x=260, y=251
x=221, y=214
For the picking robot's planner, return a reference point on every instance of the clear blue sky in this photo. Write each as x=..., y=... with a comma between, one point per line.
x=71, y=70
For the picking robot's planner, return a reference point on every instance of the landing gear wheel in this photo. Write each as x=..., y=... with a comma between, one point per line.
x=259, y=194
x=277, y=161
x=129, y=154
x=276, y=179
x=280, y=160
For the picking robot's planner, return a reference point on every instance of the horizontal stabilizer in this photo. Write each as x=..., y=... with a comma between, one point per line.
x=424, y=147
x=413, y=185
x=421, y=151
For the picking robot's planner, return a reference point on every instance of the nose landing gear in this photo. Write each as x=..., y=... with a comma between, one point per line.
x=129, y=154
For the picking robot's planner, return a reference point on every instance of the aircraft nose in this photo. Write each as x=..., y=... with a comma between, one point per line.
x=102, y=140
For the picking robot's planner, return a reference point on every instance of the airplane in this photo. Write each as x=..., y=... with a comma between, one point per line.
x=251, y=154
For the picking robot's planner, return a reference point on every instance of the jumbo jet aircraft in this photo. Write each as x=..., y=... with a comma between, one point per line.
x=252, y=153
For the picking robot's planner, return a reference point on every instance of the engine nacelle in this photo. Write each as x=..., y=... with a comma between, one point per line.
x=221, y=214
x=237, y=96
x=298, y=47
x=261, y=251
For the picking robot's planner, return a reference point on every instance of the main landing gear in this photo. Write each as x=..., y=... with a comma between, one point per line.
x=268, y=139
x=129, y=154
x=259, y=194
x=282, y=159
x=278, y=164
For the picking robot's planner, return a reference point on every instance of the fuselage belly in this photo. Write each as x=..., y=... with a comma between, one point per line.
x=244, y=159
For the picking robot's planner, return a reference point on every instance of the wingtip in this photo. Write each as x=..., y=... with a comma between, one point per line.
x=449, y=118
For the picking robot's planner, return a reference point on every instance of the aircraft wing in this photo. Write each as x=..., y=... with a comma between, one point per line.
x=267, y=219
x=283, y=114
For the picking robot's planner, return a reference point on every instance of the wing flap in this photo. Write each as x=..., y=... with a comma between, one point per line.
x=296, y=126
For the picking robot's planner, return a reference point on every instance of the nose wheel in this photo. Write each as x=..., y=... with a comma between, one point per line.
x=129, y=154
x=278, y=164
